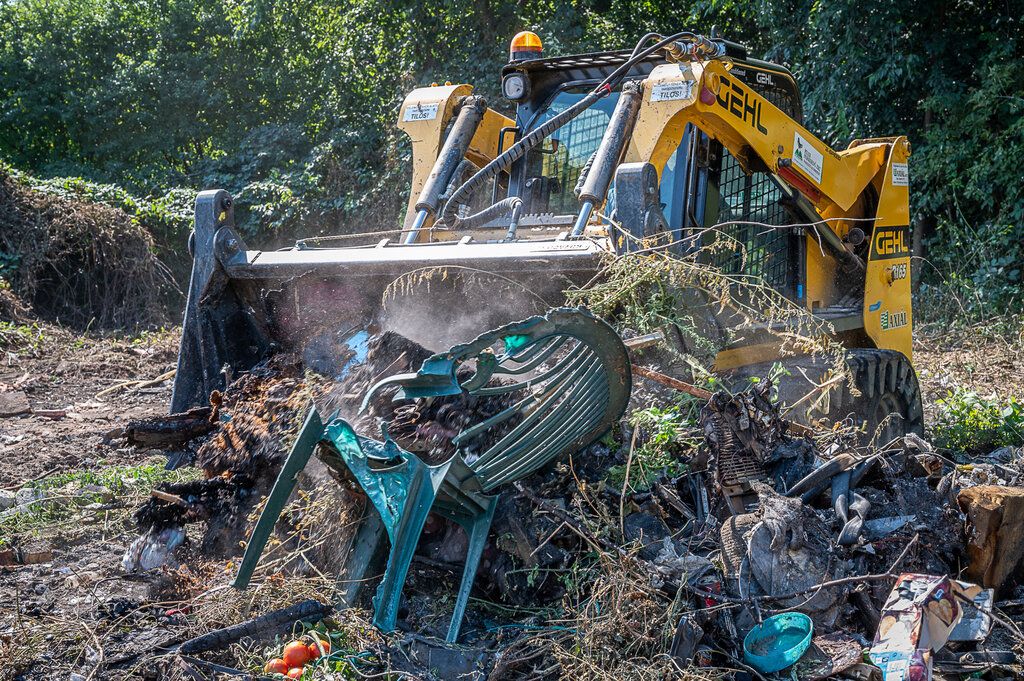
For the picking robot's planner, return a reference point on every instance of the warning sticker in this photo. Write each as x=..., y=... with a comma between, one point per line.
x=421, y=112
x=900, y=175
x=806, y=157
x=667, y=92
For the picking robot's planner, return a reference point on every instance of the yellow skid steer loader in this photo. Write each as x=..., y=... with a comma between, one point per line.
x=660, y=147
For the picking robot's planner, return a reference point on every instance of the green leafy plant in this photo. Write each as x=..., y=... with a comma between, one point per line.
x=667, y=436
x=8, y=263
x=972, y=424
x=18, y=338
x=59, y=498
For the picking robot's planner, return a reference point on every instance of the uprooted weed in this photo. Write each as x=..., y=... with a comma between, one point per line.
x=712, y=308
x=67, y=502
x=83, y=264
x=620, y=623
x=617, y=618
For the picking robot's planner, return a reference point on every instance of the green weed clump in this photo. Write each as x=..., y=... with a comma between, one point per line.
x=18, y=338
x=972, y=424
x=668, y=435
x=60, y=499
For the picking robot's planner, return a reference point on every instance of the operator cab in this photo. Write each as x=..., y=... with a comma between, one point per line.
x=701, y=184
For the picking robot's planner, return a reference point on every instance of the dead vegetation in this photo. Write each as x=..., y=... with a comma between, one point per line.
x=82, y=264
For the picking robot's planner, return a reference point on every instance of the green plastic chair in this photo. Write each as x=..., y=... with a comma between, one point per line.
x=570, y=382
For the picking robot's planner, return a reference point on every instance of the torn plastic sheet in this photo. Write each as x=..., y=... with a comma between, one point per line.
x=876, y=528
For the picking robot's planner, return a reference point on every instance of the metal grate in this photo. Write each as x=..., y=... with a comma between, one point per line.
x=755, y=250
x=561, y=166
x=780, y=97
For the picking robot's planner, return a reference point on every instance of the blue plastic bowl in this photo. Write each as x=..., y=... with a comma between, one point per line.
x=778, y=642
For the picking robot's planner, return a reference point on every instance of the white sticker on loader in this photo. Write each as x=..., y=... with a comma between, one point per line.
x=421, y=112
x=672, y=91
x=806, y=157
x=900, y=175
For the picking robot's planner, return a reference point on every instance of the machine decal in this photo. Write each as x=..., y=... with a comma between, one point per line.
x=900, y=175
x=896, y=272
x=765, y=78
x=737, y=101
x=806, y=157
x=874, y=306
x=671, y=91
x=421, y=112
x=893, y=320
x=888, y=243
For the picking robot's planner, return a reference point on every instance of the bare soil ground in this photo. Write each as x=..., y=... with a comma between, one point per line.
x=59, y=370
x=980, y=362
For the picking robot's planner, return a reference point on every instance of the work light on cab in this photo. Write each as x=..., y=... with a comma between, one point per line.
x=525, y=45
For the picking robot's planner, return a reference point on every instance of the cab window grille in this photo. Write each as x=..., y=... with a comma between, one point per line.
x=776, y=89
x=752, y=249
x=780, y=97
x=561, y=164
x=554, y=166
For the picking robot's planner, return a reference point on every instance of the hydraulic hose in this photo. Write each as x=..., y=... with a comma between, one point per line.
x=583, y=175
x=458, y=177
x=492, y=212
x=461, y=196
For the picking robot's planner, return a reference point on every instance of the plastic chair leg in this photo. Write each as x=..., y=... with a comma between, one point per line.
x=297, y=459
x=424, y=482
x=477, y=530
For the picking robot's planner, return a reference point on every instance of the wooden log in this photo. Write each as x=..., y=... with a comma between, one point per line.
x=164, y=432
x=995, y=532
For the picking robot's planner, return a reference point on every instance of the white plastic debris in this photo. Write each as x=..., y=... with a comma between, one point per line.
x=152, y=550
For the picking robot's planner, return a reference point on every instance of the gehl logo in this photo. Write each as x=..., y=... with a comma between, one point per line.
x=738, y=101
x=889, y=242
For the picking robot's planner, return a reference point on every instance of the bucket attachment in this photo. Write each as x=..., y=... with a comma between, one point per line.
x=245, y=304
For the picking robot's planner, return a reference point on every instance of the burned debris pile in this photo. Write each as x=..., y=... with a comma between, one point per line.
x=712, y=538
x=247, y=431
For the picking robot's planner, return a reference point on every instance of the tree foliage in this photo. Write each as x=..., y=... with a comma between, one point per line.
x=290, y=104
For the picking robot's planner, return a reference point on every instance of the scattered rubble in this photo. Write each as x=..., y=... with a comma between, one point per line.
x=663, y=573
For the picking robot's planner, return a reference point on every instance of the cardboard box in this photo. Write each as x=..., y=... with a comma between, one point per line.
x=917, y=619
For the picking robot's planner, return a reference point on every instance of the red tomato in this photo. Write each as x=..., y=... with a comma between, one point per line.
x=295, y=673
x=314, y=650
x=276, y=666
x=296, y=654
